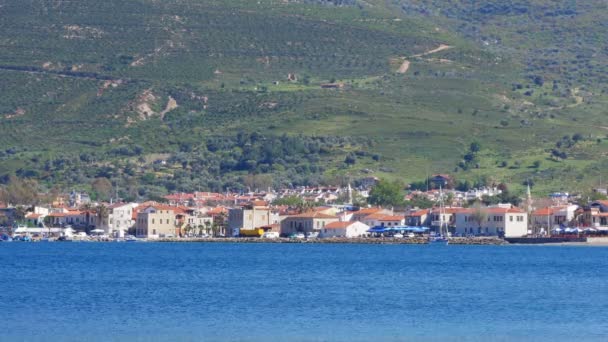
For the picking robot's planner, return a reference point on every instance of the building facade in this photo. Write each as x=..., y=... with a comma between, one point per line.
x=344, y=229
x=306, y=223
x=503, y=222
x=155, y=221
x=251, y=216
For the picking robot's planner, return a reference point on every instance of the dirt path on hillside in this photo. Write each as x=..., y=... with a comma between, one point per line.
x=405, y=66
x=440, y=48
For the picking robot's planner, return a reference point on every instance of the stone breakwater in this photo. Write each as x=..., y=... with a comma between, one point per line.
x=370, y=241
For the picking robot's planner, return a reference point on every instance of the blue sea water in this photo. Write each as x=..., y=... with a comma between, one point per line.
x=277, y=292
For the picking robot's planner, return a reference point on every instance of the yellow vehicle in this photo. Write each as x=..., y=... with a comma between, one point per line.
x=258, y=232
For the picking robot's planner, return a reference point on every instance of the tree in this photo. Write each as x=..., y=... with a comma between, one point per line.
x=480, y=214
x=536, y=164
x=386, y=193
x=291, y=201
x=103, y=187
x=258, y=182
x=20, y=191
x=102, y=215
x=421, y=202
x=187, y=229
x=475, y=147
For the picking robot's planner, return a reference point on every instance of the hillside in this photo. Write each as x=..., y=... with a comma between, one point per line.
x=240, y=93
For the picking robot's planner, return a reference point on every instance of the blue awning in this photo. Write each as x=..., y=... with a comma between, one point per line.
x=380, y=229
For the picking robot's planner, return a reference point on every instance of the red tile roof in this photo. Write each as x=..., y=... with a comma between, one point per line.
x=338, y=225
x=418, y=213
x=217, y=211
x=376, y=216
x=314, y=215
x=392, y=218
x=58, y=215
x=543, y=212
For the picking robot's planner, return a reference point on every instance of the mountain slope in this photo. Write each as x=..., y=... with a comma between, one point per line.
x=109, y=87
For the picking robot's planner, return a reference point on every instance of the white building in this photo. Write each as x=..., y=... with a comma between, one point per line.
x=507, y=222
x=475, y=194
x=551, y=217
x=344, y=229
x=120, y=218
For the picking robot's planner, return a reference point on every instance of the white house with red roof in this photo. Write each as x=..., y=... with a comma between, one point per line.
x=445, y=216
x=555, y=216
x=497, y=221
x=344, y=229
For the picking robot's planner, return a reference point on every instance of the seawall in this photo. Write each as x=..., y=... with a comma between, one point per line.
x=370, y=241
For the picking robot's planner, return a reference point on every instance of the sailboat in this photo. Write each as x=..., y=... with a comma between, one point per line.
x=442, y=237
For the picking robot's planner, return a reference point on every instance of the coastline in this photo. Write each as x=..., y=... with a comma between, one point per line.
x=364, y=241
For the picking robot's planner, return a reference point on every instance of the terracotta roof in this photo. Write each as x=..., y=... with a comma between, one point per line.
x=543, y=212
x=58, y=215
x=418, y=213
x=33, y=216
x=259, y=203
x=314, y=215
x=217, y=211
x=376, y=216
x=392, y=218
x=338, y=225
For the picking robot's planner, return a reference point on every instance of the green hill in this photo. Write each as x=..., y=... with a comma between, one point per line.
x=253, y=93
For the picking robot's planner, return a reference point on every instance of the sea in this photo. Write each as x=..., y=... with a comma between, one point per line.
x=301, y=292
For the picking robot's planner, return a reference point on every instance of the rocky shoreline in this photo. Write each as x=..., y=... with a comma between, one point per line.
x=369, y=241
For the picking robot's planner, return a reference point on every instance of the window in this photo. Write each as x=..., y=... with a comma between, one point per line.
x=152, y=221
x=510, y=218
x=153, y=231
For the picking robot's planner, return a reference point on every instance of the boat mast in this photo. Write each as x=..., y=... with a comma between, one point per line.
x=441, y=211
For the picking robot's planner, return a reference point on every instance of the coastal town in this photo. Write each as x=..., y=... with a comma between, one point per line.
x=307, y=214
